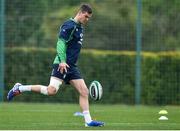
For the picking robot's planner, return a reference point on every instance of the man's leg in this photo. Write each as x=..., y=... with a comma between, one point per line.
x=51, y=89
x=46, y=90
x=81, y=87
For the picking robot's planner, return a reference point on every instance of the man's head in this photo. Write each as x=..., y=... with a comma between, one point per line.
x=84, y=13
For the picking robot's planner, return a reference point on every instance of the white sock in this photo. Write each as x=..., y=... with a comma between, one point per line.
x=23, y=88
x=87, y=116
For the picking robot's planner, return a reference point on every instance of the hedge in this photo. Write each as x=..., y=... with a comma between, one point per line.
x=114, y=69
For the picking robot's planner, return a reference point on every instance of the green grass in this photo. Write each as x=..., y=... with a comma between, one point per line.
x=60, y=116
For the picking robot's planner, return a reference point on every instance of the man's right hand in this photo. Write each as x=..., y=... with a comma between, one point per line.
x=63, y=67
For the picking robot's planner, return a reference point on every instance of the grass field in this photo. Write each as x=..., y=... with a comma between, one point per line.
x=38, y=116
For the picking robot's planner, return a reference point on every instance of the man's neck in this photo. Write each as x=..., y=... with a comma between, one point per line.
x=76, y=19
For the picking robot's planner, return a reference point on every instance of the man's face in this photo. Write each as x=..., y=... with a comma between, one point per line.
x=84, y=17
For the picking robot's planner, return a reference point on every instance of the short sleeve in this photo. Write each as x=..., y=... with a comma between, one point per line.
x=66, y=32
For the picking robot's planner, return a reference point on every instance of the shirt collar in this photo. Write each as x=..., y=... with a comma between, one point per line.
x=75, y=21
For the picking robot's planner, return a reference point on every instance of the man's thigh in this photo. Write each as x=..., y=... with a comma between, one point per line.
x=79, y=84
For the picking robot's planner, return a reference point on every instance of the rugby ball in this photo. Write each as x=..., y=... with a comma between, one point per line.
x=95, y=90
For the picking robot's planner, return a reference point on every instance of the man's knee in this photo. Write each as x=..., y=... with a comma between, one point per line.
x=51, y=90
x=53, y=86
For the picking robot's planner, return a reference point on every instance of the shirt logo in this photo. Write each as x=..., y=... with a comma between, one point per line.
x=80, y=42
x=81, y=35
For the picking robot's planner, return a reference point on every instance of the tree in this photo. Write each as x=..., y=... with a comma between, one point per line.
x=23, y=19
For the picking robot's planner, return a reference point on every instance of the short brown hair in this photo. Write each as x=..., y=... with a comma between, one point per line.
x=86, y=8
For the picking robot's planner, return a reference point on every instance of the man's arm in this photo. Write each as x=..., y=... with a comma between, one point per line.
x=65, y=35
x=61, y=50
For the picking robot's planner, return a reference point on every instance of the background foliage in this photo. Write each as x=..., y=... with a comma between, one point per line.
x=118, y=85
x=30, y=39
x=112, y=27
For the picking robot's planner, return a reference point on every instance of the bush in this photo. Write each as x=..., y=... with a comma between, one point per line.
x=114, y=69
